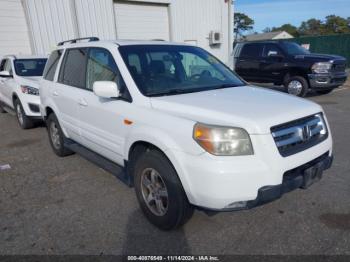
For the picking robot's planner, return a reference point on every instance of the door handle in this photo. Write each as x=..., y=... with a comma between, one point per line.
x=82, y=102
x=55, y=93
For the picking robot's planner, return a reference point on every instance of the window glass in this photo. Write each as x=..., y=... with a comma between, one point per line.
x=29, y=67
x=174, y=69
x=74, y=70
x=102, y=67
x=6, y=66
x=50, y=68
x=252, y=50
x=294, y=49
x=2, y=65
x=135, y=63
x=271, y=49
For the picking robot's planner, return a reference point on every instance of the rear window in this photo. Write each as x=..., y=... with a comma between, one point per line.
x=252, y=50
x=50, y=69
x=74, y=68
x=30, y=67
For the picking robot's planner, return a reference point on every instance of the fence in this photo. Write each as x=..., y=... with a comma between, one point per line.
x=330, y=44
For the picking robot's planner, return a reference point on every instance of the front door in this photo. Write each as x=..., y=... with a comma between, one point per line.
x=272, y=63
x=102, y=124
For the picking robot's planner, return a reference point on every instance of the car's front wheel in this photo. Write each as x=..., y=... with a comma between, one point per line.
x=159, y=191
x=297, y=85
x=24, y=121
x=56, y=136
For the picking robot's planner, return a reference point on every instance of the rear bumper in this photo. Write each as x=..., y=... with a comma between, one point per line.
x=292, y=179
x=327, y=81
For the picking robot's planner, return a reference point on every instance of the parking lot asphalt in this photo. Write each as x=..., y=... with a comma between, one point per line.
x=52, y=205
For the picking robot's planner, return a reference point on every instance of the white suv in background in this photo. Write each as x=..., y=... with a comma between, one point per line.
x=19, y=87
x=186, y=130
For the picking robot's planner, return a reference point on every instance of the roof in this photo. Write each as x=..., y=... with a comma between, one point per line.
x=25, y=56
x=266, y=36
x=119, y=43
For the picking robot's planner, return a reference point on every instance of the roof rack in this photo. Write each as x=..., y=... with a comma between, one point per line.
x=73, y=41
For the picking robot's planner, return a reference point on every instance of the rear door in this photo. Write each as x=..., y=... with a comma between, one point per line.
x=102, y=119
x=68, y=91
x=272, y=63
x=248, y=62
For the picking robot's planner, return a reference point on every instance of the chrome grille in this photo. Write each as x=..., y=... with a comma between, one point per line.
x=298, y=135
x=339, y=67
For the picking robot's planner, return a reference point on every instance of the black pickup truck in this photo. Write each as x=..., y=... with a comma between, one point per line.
x=287, y=63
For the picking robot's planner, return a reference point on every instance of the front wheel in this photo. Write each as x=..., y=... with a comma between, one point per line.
x=297, y=85
x=159, y=191
x=24, y=121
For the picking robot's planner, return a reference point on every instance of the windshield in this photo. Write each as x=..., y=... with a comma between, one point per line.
x=294, y=49
x=30, y=67
x=169, y=69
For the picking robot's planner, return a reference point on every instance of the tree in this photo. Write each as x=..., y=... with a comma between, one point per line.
x=336, y=25
x=242, y=23
x=291, y=29
x=267, y=30
x=311, y=27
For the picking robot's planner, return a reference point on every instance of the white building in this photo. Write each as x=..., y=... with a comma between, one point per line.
x=36, y=26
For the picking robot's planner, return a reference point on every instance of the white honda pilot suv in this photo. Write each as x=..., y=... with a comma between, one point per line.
x=182, y=128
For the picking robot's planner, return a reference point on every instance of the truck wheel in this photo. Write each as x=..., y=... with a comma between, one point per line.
x=324, y=92
x=159, y=191
x=24, y=121
x=297, y=85
x=57, y=137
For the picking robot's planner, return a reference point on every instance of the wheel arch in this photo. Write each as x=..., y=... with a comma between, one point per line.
x=295, y=72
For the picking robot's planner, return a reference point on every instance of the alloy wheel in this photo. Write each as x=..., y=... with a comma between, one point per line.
x=154, y=192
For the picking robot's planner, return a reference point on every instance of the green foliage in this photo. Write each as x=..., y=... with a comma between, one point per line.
x=291, y=29
x=242, y=23
x=331, y=25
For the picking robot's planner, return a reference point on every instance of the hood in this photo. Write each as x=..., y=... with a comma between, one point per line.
x=321, y=58
x=30, y=80
x=252, y=108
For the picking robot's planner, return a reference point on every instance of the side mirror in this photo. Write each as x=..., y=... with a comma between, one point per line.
x=106, y=89
x=5, y=74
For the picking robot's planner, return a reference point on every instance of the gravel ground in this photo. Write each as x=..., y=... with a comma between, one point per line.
x=50, y=205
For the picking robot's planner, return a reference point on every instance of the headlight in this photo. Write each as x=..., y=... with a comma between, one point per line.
x=223, y=141
x=30, y=90
x=321, y=67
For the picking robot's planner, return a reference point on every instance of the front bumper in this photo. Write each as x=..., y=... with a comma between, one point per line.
x=292, y=179
x=233, y=183
x=327, y=81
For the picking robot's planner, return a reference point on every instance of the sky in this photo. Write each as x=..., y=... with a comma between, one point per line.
x=269, y=13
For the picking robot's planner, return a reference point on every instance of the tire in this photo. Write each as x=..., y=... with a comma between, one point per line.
x=173, y=209
x=297, y=85
x=57, y=137
x=23, y=120
x=324, y=92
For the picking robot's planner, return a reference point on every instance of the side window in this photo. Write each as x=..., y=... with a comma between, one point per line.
x=271, y=50
x=252, y=50
x=102, y=67
x=74, y=68
x=50, y=69
x=6, y=66
x=2, y=65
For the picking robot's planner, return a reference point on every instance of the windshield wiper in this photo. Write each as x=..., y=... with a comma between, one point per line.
x=175, y=92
